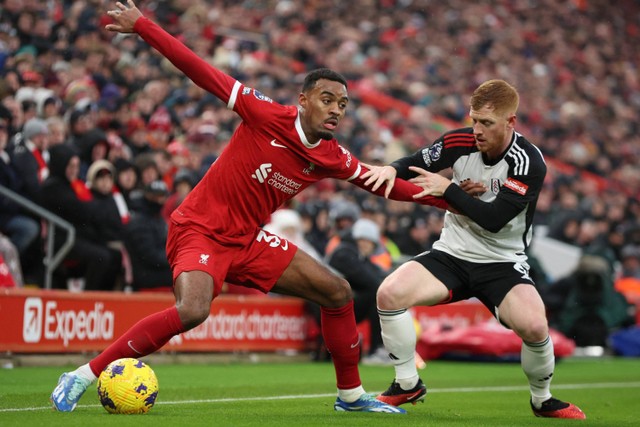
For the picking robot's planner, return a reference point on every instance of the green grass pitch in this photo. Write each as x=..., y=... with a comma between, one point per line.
x=302, y=394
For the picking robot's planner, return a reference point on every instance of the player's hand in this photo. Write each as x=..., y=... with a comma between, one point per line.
x=433, y=184
x=124, y=16
x=473, y=188
x=378, y=175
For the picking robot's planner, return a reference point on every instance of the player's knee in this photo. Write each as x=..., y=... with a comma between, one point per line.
x=386, y=298
x=535, y=330
x=193, y=314
x=340, y=295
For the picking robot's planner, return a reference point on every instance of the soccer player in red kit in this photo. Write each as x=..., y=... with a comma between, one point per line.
x=215, y=235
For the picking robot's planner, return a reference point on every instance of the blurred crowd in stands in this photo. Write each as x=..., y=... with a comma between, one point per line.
x=101, y=130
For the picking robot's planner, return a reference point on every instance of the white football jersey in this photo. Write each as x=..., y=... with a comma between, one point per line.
x=497, y=227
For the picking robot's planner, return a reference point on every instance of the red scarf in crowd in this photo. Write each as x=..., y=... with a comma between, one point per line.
x=81, y=190
x=43, y=170
x=84, y=194
x=121, y=203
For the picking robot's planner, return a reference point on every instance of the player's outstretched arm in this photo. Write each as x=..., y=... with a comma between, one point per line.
x=379, y=175
x=401, y=190
x=432, y=184
x=128, y=19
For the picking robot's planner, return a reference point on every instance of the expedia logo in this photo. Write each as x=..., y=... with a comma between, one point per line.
x=46, y=322
x=32, y=322
x=516, y=186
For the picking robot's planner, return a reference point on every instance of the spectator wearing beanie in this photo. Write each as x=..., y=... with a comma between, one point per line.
x=31, y=157
x=100, y=180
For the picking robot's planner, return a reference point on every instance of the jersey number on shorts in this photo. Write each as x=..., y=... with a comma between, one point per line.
x=523, y=270
x=273, y=240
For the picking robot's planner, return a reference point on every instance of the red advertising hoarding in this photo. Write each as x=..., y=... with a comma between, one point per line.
x=40, y=321
x=37, y=321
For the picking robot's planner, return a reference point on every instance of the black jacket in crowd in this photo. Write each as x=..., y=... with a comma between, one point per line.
x=58, y=196
x=145, y=239
x=363, y=275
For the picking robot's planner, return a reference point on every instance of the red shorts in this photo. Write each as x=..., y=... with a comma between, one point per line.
x=257, y=264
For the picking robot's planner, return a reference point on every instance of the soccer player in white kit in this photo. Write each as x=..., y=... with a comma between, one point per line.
x=481, y=251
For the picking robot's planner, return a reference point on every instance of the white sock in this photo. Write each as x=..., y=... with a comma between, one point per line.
x=351, y=395
x=85, y=372
x=538, y=363
x=399, y=337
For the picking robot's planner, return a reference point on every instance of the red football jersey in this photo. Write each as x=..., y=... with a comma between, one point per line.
x=267, y=162
x=268, y=159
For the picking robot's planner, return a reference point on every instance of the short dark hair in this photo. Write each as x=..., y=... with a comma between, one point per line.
x=322, y=73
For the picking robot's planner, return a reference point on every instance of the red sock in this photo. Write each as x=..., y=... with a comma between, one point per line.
x=342, y=341
x=143, y=338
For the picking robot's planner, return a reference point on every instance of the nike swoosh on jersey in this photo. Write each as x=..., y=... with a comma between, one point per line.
x=275, y=144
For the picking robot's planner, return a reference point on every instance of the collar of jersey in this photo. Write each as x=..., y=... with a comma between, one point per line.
x=301, y=134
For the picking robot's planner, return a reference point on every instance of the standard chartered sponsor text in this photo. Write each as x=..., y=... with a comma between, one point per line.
x=249, y=326
x=284, y=184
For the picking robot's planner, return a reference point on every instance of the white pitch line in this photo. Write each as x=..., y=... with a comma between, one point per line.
x=314, y=396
